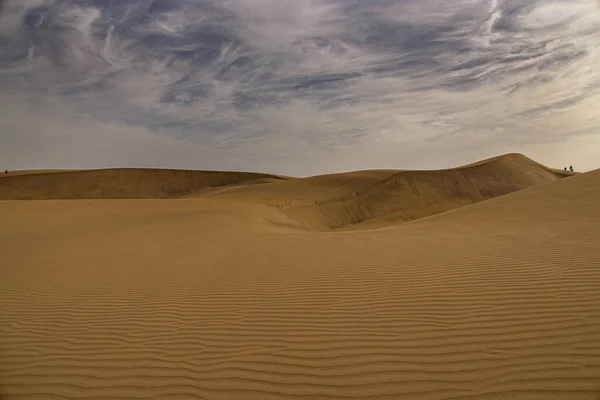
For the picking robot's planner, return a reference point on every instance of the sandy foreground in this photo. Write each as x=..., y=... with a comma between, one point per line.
x=226, y=295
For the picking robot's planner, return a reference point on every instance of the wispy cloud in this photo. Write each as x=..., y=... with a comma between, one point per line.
x=296, y=87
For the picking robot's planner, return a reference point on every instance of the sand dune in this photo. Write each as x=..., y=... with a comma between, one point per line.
x=373, y=199
x=224, y=297
x=31, y=172
x=349, y=201
x=121, y=183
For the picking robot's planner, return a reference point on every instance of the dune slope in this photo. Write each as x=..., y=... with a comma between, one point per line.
x=191, y=299
x=348, y=201
x=373, y=199
x=121, y=183
x=31, y=172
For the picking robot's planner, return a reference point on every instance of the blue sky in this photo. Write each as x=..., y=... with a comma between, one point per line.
x=297, y=87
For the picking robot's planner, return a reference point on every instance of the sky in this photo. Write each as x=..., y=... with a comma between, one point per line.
x=298, y=87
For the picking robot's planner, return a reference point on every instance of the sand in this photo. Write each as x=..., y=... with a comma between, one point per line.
x=349, y=201
x=6, y=174
x=234, y=295
x=122, y=183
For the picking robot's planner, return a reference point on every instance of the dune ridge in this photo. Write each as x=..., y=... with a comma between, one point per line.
x=375, y=199
x=183, y=299
x=345, y=201
x=121, y=183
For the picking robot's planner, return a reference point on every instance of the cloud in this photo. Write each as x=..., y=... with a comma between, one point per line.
x=295, y=87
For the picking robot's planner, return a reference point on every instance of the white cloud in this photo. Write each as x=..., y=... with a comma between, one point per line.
x=13, y=13
x=297, y=87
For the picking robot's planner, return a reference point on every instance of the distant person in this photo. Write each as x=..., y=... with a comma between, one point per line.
x=571, y=168
x=565, y=169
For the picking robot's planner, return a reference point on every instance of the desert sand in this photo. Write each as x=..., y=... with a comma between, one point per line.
x=479, y=282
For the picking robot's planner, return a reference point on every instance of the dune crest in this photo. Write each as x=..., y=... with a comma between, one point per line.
x=122, y=183
x=345, y=201
x=379, y=198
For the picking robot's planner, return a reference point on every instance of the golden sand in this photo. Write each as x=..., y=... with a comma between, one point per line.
x=242, y=287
